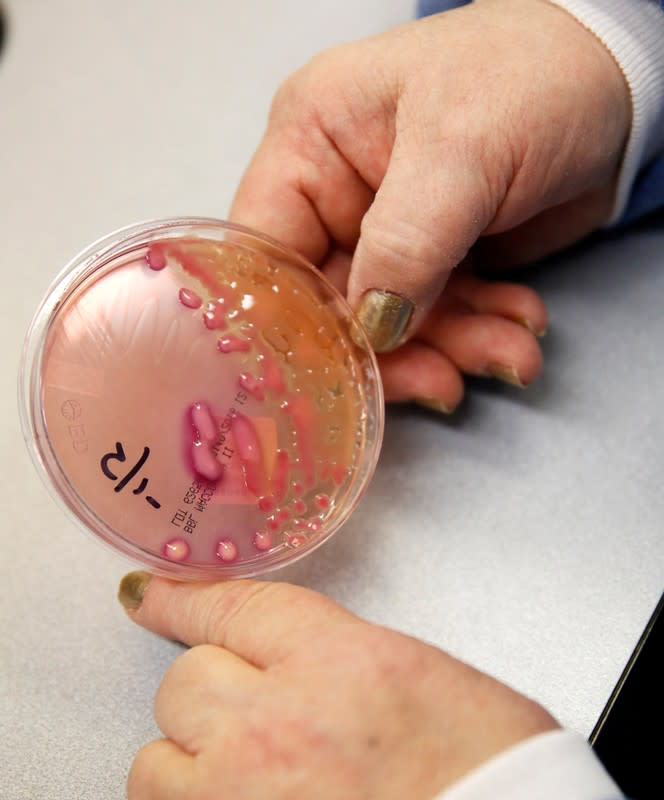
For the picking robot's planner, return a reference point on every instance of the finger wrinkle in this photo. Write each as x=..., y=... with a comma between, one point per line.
x=233, y=605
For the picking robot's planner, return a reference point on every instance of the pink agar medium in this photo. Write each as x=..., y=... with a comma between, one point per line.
x=266, y=429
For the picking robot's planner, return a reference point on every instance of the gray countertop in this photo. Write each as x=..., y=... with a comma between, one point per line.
x=524, y=535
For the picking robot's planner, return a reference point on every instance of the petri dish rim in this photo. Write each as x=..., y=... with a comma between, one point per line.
x=34, y=427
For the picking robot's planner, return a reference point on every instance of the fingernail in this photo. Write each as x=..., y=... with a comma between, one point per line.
x=529, y=326
x=505, y=373
x=385, y=317
x=434, y=404
x=132, y=588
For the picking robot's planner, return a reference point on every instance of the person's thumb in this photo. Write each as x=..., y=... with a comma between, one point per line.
x=259, y=621
x=427, y=213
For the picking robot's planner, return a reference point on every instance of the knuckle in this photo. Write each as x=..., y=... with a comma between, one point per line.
x=327, y=65
x=239, y=602
x=399, y=245
x=284, y=97
x=310, y=88
x=196, y=660
x=278, y=744
x=398, y=660
x=296, y=95
x=192, y=663
x=293, y=119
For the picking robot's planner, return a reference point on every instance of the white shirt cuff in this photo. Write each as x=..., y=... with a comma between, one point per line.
x=550, y=766
x=633, y=31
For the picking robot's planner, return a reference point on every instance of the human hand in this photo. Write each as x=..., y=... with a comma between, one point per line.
x=285, y=694
x=500, y=124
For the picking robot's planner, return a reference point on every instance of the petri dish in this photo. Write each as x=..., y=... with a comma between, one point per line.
x=201, y=399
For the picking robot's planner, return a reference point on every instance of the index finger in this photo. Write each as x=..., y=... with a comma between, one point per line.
x=300, y=190
x=270, y=202
x=261, y=622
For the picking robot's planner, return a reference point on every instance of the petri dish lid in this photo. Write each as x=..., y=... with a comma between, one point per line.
x=201, y=399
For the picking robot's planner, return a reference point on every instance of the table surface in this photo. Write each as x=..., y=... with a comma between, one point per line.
x=524, y=535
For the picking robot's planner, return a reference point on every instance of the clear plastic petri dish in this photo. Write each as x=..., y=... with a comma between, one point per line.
x=201, y=399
